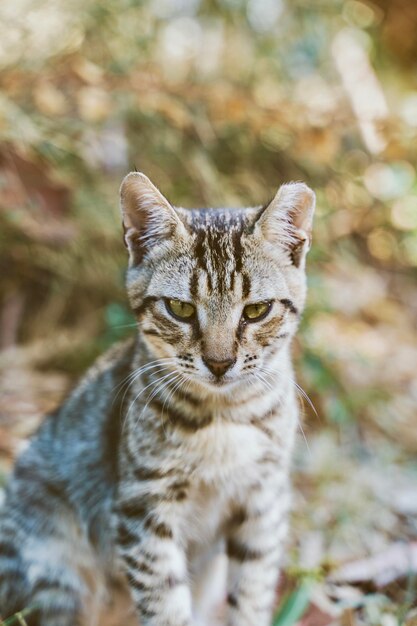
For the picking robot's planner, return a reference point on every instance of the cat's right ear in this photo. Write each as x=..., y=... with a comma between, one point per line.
x=288, y=219
x=148, y=217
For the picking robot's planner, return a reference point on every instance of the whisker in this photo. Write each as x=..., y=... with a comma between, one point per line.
x=156, y=370
x=306, y=397
x=262, y=380
x=304, y=437
x=298, y=387
x=177, y=385
x=266, y=382
x=161, y=385
x=154, y=382
x=270, y=373
x=143, y=367
x=174, y=389
x=142, y=370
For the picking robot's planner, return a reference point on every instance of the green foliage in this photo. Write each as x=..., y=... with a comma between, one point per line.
x=294, y=605
x=18, y=619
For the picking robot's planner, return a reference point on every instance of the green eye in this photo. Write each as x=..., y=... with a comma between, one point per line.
x=257, y=311
x=181, y=310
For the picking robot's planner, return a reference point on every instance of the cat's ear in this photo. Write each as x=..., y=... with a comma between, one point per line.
x=288, y=220
x=148, y=217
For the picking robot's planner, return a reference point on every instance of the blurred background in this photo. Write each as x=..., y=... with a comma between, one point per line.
x=219, y=102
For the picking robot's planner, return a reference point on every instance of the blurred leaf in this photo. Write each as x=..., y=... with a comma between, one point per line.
x=294, y=606
x=18, y=618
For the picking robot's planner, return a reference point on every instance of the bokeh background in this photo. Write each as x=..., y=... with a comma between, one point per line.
x=219, y=102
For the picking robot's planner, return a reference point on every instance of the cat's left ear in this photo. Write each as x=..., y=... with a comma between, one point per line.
x=148, y=218
x=288, y=220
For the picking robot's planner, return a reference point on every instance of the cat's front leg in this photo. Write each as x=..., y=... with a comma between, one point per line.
x=155, y=565
x=254, y=547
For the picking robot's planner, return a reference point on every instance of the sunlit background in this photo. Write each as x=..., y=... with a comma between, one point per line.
x=219, y=102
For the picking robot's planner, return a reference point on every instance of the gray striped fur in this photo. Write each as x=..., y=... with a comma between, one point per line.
x=153, y=464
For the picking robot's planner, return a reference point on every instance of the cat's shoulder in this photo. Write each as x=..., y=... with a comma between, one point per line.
x=113, y=365
x=118, y=355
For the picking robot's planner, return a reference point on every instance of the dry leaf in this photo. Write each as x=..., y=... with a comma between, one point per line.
x=398, y=561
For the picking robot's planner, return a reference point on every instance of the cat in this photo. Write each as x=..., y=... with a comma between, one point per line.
x=176, y=445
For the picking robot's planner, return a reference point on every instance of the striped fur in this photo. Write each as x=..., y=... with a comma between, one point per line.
x=155, y=466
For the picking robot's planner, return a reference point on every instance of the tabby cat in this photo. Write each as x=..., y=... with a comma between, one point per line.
x=175, y=447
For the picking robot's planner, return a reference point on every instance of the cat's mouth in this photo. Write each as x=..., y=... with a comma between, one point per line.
x=220, y=382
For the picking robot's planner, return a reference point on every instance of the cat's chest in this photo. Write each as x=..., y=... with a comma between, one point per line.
x=226, y=462
x=224, y=453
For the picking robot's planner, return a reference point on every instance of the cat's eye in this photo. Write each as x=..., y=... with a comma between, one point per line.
x=257, y=311
x=181, y=310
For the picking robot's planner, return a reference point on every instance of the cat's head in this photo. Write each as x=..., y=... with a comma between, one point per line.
x=217, y=292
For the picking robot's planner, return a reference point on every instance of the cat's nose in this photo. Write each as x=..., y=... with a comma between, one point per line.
x=218, y=368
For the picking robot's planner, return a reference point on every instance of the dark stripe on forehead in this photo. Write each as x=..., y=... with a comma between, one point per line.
x=237, y=251
x=218, y=247
x=197, y=334
x=246, y=285
x=193, y=284
x=237, y=248
x=199, y=249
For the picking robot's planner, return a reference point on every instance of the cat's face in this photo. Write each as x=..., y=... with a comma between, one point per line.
x=217, y=293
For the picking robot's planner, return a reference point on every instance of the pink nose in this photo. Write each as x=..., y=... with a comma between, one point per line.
x=218, y=368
